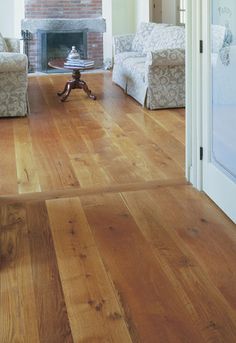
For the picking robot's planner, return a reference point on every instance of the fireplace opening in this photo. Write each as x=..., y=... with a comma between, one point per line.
x=57, y=44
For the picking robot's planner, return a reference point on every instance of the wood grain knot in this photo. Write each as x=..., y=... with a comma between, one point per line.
x=115, y=316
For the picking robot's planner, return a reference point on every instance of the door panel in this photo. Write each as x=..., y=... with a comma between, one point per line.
x=219, y=103
x=223, y=61
x=157, y=11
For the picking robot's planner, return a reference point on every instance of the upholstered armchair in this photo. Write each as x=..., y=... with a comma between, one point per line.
x=150, y=65
x=13, y=79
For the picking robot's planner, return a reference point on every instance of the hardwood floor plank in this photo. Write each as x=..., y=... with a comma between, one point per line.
x=89, y=171
x=8, y=177
x=75, y=192
x=18, y=316
x=212, y=237
x=110, y=130
x=154, y=311
x=94, y=310
x=53, y=164
x=53, y=323
x=160, y=219
x=116, y=164
x=36, y=100
x=172, y=147
x=27, y=175
x=139, y=257
x=71, y=138
x=150, y=161
x=172, y=123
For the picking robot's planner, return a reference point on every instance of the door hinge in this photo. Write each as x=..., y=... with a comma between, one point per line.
x=201, y=153
x=201, y=46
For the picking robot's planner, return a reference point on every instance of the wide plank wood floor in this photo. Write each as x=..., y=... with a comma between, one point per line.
x=84, y=143
x=101, y=238
x=137, y=266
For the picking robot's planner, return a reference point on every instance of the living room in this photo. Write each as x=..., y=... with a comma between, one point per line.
x=109, y=228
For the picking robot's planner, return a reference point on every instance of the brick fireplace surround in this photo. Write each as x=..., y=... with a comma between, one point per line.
x=66, y=9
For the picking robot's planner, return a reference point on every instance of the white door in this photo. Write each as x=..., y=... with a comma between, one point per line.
x=219, y=103
x=157, y=11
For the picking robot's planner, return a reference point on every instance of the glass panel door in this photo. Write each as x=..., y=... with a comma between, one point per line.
x=219, y=102
x=223, y=62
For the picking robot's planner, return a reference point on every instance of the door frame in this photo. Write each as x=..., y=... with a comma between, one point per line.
x=194, y=137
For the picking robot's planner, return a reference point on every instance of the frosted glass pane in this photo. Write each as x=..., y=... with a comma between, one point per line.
x=223, y=58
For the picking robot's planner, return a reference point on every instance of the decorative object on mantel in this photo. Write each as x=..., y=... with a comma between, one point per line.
x=26, y=37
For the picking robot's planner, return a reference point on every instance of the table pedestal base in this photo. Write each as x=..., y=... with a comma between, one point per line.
x=76, y=83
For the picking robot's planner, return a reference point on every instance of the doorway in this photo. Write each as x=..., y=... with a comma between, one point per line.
x=211, y=105
x=156, y=11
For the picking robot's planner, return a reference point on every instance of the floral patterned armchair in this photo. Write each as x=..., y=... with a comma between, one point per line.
x=13, y=79
x=150, y=65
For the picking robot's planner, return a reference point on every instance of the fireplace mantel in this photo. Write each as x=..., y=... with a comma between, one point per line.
x=89, y=24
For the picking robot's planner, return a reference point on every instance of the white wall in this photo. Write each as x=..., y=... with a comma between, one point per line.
x=7, y=18
x=123, y=16
x=107, y=36
x=143, y=11
x=19, y=15
x=11, y=13
x=120, y=18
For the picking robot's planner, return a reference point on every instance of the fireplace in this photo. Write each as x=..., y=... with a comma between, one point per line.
x=57, y=44
x=43, y=18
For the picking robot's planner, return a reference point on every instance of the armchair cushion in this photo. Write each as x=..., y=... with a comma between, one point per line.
x=167, y=57
x=122, y=43
x=166, y=38
x=13, y=81
x=13, y=44
x=142, y=35
x=121, y=57
x=3, y=45
x=135, y=66
x=12, y=62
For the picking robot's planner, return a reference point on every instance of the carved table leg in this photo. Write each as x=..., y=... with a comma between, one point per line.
x=69, y=87
x=63, y=92
x=85, y=88
x=76, y=83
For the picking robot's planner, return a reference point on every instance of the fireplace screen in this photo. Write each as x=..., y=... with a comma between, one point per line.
x=57, y=44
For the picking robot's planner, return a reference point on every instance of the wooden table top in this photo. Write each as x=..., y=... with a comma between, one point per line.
x=59, y=64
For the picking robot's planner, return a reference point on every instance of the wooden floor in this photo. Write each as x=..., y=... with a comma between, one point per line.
x=101, y=238
x=84, y=143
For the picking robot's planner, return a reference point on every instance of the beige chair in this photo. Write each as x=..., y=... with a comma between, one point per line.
x=150, y=65
x=13, y=79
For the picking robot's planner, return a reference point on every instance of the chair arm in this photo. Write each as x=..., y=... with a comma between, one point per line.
x=13, y=62
x=122, y=43
x=13, y=44
x=166, y=57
